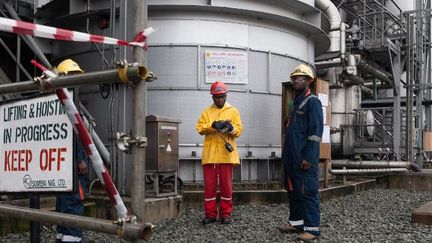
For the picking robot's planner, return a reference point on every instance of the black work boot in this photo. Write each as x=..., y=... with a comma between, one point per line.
x=208, y=221
x=288, y=228
x=226, y=220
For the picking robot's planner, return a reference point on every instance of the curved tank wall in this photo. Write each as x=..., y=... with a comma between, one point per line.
x=275, y=36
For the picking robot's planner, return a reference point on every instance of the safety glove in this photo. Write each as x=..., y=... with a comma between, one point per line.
x=229, y=126
x=218, y=125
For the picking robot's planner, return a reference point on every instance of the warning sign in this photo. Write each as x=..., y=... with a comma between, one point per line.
x=226, y=66
x=36, y=147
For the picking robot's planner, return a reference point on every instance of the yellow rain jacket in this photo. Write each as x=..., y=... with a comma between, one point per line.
x=214, y=151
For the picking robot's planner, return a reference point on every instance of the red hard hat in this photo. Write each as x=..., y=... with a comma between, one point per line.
x=218, y=88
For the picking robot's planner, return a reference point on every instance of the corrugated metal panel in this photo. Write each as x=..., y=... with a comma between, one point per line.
x=175, y=67
x=264, y=119
x=258, y=71
x=281, y=68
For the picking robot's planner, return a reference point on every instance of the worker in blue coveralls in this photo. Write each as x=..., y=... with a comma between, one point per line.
x=72, y=202
x=300, y=156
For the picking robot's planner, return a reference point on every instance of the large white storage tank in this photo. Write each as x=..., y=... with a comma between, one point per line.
x=269, y=37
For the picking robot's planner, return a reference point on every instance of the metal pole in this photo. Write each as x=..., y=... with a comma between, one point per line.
x=139, y=115
x=15, y=59
x=35, y=225
x=127, y=231
x=370, y=164
x=366, y=171
x=29, y=40
x=101, y=77
x=105, y=154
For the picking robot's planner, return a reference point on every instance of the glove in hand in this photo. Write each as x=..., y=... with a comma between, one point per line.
x=229, y=126
x=218, y=125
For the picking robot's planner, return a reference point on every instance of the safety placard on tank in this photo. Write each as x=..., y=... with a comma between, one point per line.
x=226, y=66
x=36, y=147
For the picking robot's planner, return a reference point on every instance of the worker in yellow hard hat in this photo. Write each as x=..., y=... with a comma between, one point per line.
x=300, y=156
x=71, y=203
x=68, y=66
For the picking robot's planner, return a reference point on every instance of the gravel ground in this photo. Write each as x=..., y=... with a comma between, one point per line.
x=378, y=215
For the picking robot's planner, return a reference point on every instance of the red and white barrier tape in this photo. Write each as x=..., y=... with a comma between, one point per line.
x=26, y=28
x=88, y=145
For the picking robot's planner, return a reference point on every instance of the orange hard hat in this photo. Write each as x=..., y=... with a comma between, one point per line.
x=218, y=88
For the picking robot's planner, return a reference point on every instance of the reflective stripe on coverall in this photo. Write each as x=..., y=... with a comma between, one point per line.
x=302, y=139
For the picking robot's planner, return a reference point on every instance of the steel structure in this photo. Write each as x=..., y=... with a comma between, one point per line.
x=386, y=42
x=418, y=77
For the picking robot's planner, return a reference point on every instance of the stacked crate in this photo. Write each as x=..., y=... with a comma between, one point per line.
x=321, y=90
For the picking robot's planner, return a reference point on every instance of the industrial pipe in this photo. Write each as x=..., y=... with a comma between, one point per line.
x=132, y=73
x=342, y=41
x=351, y=79
x=366, y=171
x=337, y=62
x=332, y=13
x=378, y=73
x=128, y=231
x=369, y=164
x=366, y=90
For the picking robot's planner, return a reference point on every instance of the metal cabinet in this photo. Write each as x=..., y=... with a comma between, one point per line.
x=162, y=155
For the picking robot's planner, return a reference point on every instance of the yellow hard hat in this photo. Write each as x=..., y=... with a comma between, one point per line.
x=303, y=70
x=68, y=66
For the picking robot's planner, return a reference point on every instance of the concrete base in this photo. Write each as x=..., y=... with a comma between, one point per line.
x=161, y=209
x=423, y=215
x=411, y=181
x=195, y=198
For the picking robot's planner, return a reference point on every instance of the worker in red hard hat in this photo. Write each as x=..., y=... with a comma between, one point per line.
x=220, y=124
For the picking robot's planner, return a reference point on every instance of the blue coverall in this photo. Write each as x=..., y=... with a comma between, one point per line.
x=302, y=140
x=71, y=203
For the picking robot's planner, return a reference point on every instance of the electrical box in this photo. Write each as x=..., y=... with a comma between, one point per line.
x=162, y=153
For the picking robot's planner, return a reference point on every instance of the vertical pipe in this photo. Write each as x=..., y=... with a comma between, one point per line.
x=199, y=67
x=397, y=123
x=35, y=226
x=269, y=71
x=428, y=108
x=139, y=117
x=18, y=59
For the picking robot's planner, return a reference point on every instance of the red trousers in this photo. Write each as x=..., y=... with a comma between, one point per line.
x=211, y=174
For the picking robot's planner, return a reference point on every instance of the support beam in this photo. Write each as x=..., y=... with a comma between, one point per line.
x=139, y=118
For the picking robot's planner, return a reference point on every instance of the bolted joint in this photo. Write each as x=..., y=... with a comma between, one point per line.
x=125, y=142
x=141, y=142
x=129, y=75
x=124, y=225
x=150, y=77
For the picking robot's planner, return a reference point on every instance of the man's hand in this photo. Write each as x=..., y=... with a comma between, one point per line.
x=229, y=126
x=220, y=126
x=305, y=165
x=82, y=168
